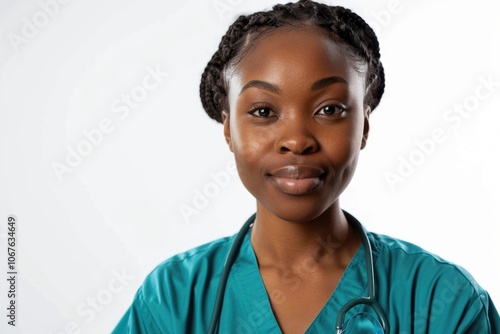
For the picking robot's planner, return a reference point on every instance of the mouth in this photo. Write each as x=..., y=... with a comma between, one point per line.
x=297, y=179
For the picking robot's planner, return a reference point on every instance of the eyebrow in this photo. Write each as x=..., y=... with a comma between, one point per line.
x=275, y=89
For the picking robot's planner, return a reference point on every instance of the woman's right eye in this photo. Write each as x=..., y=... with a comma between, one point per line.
x=262, y=112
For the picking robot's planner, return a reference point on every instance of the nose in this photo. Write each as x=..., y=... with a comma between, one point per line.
x=295, y=136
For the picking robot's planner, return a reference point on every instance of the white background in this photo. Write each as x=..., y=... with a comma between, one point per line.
x=118, y=212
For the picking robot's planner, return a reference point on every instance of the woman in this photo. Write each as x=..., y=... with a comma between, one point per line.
x=294, y=88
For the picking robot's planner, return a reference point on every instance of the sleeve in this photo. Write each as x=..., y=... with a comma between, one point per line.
x=137, y=319
x=459, y=305
x=482, y=317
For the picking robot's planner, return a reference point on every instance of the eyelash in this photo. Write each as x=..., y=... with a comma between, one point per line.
x=256, y=108
x=339, y=107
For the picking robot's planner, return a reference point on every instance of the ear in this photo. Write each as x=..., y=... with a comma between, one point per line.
x=366, y=126
x=227, y=129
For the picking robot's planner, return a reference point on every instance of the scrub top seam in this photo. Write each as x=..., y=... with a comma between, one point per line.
x=464, y=274
x=143, y=302
x=417, y=252
x=477, y=291
x=482, y=309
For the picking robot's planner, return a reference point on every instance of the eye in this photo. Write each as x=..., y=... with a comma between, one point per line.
x=261, y=111
x=331, y=109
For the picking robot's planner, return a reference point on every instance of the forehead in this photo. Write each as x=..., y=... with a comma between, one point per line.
x=297, y=56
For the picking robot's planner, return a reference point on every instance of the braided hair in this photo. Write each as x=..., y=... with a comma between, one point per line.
x=345, y=27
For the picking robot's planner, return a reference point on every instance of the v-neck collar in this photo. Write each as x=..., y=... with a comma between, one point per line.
x=253, y=300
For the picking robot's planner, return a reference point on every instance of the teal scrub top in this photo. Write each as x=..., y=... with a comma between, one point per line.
x=418, y=291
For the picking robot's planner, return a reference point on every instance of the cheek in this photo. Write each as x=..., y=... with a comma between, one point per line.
x=248, y=143
x=252, y=148
x=343, y=160
x=349, y=153
x=248, y=149
x=345, y=145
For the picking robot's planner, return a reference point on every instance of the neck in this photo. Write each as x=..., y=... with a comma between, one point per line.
x=327, y=239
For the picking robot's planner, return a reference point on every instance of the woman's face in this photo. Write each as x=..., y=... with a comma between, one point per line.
x=296, y=122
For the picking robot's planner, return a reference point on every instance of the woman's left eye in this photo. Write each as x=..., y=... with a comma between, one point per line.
x=331, y=109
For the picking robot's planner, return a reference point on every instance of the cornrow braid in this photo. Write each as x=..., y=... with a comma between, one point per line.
x=343, y=26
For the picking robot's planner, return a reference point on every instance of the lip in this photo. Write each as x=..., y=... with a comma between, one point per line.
x=297, y=179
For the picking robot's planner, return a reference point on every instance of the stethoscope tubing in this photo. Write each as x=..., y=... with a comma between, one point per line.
x=370, y=274
x=369, y=300
x=231, y=257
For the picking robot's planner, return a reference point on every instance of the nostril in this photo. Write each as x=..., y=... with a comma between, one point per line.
x=297, y=143
x=296, y=149
x=284, y=149
x=307, y=150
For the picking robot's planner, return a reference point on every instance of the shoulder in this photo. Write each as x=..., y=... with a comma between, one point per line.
x=390, y=248
x=198, y=253
x=412, y=261
x=176, y=291
x=439, y=292
x=202, y=260
x=173, y=296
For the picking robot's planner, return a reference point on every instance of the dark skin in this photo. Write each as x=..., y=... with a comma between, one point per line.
x=296, y=140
